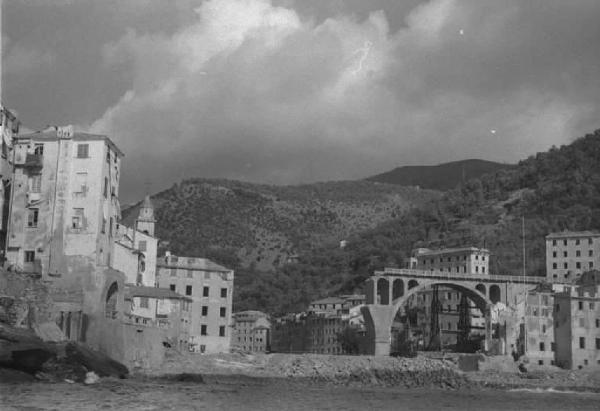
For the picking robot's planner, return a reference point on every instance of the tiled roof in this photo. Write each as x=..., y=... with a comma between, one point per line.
x=152, y=292
x=573, y=234
x=191, y=263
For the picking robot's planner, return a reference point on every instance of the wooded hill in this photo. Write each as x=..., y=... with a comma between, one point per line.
x=443, y=177
x=241, y=224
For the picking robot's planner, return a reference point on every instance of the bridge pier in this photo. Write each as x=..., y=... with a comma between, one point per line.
x=378, y=320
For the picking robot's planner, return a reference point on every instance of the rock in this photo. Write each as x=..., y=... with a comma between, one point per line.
x=91, y=378
x=95, y=361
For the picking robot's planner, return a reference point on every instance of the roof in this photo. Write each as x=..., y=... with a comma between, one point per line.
x=193, y=263
x=51, y=134
x=329, y=300
x=152, y=292
x=426, y=251
x=573, y=234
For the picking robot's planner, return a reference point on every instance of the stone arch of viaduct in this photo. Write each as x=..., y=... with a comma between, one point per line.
x=386, y=295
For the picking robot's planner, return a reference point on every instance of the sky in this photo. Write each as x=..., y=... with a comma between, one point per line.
x=298, y=91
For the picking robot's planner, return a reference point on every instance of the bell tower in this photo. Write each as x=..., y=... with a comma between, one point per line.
x=145, y=221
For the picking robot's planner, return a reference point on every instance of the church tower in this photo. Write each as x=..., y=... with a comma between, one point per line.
x=145, y=221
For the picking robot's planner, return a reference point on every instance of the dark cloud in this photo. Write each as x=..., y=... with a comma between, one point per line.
x=296, y=91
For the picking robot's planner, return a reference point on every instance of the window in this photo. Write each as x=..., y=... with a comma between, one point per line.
x=591, y=264
x=205, y=291
x=589, y=241
x=32, y=217
x=108, y=156
x=553, y=346
x=202, y=348
x=29, y=256
x=553, y=242
x=83, y=150
x=35, y=183
x=483, y=270
x=80, y=183
x=554, y=265
x=190, y=273
x=172, y=287
x=105, y=187
x=580, y=304
x=203, y=330
x=103, y=225
x=110, y=226
x=565, y=254
x=577, y=264
x=476, y=269
x=204, y=310
x=565, y=265
x=223, y=311
x=144, y=302
x=554, y=254
x=77, y=219
x=142, y=245
x=598, y=343
x=578, y=253
x=577, y=242
x=564, y=242
x=223, y=292
x=38, y=149
x=582, y=342
x=188, y=290
x=597, y=322
x=592, y=306
x=222, y=331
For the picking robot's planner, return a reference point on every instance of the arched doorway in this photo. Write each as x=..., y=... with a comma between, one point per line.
x=397, y=289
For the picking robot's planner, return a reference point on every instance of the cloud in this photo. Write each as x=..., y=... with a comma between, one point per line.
x=296, y=91
x=21, y=60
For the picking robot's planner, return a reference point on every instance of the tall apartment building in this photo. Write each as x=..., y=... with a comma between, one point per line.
x=210, y=286
x=64, y=204
x=537, y=336
x=569, y=254
x=9, y=127
x=465, y=260
x=62, y=216
x=577, y=324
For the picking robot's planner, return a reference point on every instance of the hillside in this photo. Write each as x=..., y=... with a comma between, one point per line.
x=443, y=177
x=262, y=225
x=553, y=191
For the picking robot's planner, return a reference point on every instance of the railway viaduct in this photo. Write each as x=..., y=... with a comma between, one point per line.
x=388, y=290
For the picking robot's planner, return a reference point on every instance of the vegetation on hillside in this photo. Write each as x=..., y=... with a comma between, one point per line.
x=446, y=176
x=552, y=191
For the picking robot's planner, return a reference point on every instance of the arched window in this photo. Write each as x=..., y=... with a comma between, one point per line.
x=111, y=301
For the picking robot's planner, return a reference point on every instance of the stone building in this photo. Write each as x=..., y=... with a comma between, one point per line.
x=160, y=308
x=577, y=324
x=569, y=254
x=251, y=332
x=467, y=260
x=61, y=227
x=210, y=286
x=537, y=329
x=308, y=333
x=9, y=127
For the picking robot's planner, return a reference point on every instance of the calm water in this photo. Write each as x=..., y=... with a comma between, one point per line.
x=229, y=393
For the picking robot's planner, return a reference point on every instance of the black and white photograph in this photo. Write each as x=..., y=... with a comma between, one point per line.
x=299, y=205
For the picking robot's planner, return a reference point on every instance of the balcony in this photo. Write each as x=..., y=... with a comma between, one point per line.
x=33, y=161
